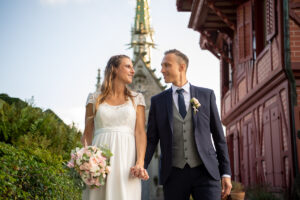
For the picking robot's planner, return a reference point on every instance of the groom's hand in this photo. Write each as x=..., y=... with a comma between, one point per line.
x=226, y=186
x=143, y=174
x=139, y=172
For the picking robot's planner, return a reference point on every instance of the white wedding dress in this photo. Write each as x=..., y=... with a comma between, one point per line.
x=115, y=127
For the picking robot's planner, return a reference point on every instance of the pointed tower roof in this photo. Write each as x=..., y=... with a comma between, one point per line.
x=142, y=33
x=98, y=85
x=142, y=18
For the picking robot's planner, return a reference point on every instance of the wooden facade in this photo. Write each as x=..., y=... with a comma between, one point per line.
x=258, y=44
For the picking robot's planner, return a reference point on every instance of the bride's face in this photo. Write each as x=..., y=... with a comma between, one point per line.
x=125, y=71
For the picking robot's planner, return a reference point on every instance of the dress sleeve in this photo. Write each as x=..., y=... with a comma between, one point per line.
x=140, y=100
x=90, y=99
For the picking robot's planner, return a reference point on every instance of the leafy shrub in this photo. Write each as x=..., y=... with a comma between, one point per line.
x=37, y=145
x=260, y=192
x=22, y=124
x=237, y=187
x=34, y=174
x=296, y=188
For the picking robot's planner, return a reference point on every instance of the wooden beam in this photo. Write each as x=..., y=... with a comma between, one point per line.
x=226, y=30
x=205, y=46
x=214, y=47
x=228, y=14
x=184, y=5
x=292, y=13
x=198, y=15
x=294, y=16
x=294, y=5
x=222, y=16
x=214, y=25
x=217, y=18
x=227, y=10
x=225, y=3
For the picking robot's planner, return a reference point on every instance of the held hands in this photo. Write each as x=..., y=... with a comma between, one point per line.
x=139, y=171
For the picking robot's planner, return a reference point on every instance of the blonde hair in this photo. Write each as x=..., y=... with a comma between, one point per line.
x=109, y=75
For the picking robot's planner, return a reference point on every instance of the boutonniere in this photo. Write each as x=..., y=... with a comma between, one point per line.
x=195, y=103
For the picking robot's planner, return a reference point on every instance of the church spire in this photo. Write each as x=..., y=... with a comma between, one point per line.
x=98, y=85
x=142, y=33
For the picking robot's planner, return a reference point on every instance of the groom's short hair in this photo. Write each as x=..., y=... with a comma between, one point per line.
x=180, y=55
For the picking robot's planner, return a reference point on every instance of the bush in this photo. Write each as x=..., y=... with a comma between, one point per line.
x=296, y=188
x=34, y=174
x=260, y=192
x=237, y=187
x=22, y=124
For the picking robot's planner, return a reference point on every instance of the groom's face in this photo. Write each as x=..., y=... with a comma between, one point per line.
x=170, y=68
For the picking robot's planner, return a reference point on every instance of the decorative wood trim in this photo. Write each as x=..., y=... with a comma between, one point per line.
x=198, y=14
x=292, y=13
x=271, y=56
x=294, y=5
x=262, y=53
x=277, y=46
x=257, y=105
x=184, y=5
x=213, y=46
x=222, y=16
x=295, y=65
x=296, y=70
x=282, y=110
x=297, y=125
x=240, y=73
x=240, y=32
x=253, y=96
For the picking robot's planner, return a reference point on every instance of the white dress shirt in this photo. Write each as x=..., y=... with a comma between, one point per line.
x=186, y=95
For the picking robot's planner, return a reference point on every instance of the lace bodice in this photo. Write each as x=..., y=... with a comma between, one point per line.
x=116, y=117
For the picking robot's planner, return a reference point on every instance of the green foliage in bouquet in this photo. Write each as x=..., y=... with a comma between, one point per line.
x=34, y=174
x=106, y=153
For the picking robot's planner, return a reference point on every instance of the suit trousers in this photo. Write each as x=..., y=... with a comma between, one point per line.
x=191, y=181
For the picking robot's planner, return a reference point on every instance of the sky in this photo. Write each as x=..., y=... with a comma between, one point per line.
x=51, y=49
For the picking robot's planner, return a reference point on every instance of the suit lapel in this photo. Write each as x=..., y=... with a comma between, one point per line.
x=194, y=116
x=169, y=102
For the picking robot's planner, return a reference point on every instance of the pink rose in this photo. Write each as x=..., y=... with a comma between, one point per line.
x=71, y=164
x=85, y=166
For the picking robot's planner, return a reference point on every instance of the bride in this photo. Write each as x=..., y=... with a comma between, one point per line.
x=115, y=117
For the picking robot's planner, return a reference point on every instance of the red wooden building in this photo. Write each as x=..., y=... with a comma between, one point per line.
x=258, y=44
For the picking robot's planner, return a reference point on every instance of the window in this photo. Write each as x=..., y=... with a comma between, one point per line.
x=227, y=72
x=264, y=24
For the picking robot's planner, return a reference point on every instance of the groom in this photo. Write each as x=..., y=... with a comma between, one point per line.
x=190, y=163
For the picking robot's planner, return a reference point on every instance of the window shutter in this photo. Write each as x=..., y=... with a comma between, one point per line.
x=270, y=19
x=248, y=30
x=240, y=31
x=244, y=31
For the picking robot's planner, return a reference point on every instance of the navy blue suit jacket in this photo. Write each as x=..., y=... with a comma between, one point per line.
x=206, y=122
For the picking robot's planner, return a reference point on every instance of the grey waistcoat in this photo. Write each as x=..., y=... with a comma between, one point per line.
x=184, y=149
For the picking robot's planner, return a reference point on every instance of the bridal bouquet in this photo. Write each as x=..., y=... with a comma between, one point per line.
x=91, y=163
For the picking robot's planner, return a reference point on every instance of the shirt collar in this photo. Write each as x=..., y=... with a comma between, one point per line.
x=185, y=87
